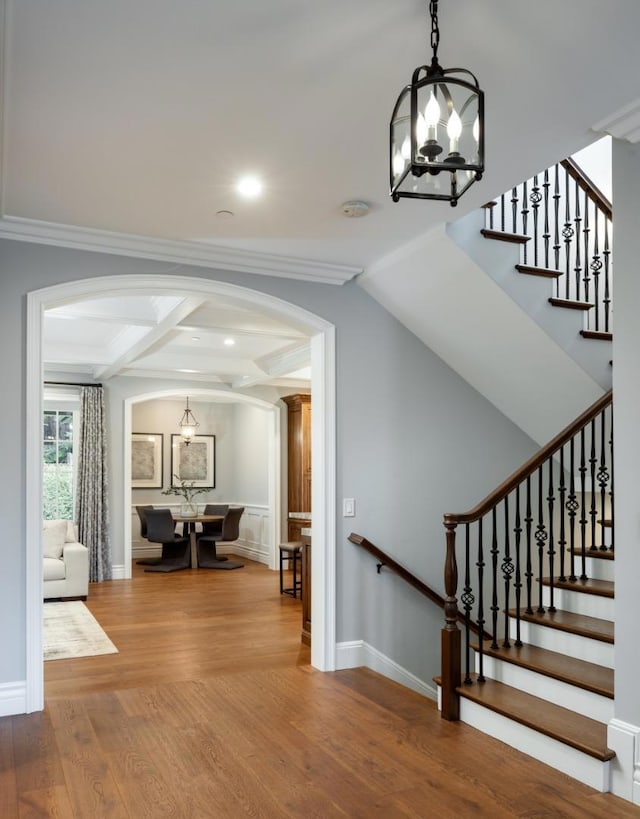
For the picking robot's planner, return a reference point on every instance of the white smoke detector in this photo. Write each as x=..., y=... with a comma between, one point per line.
x=354, y=208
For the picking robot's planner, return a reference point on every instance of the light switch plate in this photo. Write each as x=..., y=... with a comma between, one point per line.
x=348, y=507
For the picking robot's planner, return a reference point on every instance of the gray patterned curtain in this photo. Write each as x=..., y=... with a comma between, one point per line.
x=92, y=510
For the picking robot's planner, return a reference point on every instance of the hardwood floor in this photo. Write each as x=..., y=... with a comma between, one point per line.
x=210, y=709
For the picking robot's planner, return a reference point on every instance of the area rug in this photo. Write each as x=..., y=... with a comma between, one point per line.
x=70, y=630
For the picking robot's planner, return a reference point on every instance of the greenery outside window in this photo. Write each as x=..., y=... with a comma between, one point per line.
x=58, y=477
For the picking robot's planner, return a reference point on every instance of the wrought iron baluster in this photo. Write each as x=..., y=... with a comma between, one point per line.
x=556, y=222
x=577, y=220
x=546, y=235
x=572, y=507
x=507, y=571
x=583, y=507
x=567, y=234
x=514, y=210
x=606, y=301
x=503, y=216
x=551, y=551
x=525, y=220
x=495, y=608
x=603, y=478
x=518, y=584
x=596, y=265
x=541, y=538
x=585, y=236
x=528, y=521
x=467, y=600
x=611, y=492
x=535, y=198
x=480, y=564
x=593, y=463
x=562, y=490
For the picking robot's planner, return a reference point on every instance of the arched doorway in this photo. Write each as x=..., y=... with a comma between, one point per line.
x=322, y=340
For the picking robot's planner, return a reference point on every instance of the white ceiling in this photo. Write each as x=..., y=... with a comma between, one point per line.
x=136, y=117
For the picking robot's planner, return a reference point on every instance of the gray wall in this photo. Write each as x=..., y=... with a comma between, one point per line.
x=413, y=440
x=626, y=385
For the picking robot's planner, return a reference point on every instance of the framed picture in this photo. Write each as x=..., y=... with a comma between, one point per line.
x=195, y=463
x=146, y=460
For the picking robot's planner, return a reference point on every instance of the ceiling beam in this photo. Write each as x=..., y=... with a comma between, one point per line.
x=154, y=338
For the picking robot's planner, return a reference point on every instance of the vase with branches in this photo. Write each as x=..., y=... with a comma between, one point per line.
x=188, y=491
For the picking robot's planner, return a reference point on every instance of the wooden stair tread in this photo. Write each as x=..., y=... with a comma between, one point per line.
x=570, y=728
x=502, y=236
x=601, y=588
x=545, y=272
x=596, y=554
x=599, y=335
x=589, y=676
x=571, y=304
x=581, y=624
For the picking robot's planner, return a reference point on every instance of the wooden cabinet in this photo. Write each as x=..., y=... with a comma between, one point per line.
x=298, y=463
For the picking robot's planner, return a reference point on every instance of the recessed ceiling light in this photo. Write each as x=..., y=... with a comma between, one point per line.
x=229, y=342
x=249, y=187
x=195, y=338
x=182, y=370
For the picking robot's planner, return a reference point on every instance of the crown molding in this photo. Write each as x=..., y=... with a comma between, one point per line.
x=198, y=254
x=623, y=124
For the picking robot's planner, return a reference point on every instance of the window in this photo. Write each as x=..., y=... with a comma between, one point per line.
x=58, y=476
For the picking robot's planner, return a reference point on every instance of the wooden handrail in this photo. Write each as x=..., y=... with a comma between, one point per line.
x=588, y=186
x=525, y=471
x=406, y=575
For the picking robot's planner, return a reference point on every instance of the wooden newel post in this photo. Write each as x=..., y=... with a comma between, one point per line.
x=451, y=670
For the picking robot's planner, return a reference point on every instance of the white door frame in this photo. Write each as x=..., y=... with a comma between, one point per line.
x=322, y=336
x=273, y=459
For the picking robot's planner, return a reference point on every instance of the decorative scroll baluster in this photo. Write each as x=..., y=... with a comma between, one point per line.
x=562, y=542
x=467, y=602
x=541, y=537
x=611, y=492
x=603, y=478
x=495, y=608
x=507, y=571
x=567, y=234
x=481, y=621
x=596, y=265
x=518, y=584
x=536, y=198
x=528, y=521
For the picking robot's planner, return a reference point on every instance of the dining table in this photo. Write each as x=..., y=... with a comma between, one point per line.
x=192, y=520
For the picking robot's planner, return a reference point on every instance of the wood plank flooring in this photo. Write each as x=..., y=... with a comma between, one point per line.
x=210, y=709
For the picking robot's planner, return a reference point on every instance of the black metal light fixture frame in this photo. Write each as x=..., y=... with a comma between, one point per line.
x=188, y=425
x=422, y=165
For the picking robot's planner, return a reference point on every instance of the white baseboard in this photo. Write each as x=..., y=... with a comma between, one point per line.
x=359, y=653
x=117, y=572
x=624, y=739
x=13, y=698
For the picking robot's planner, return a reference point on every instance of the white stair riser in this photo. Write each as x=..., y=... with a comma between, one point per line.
x=573, y=645
x=590, y=604
x=574, y=763
x=596, y=568
x=546, y=688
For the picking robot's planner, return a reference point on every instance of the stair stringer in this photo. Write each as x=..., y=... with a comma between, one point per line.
x=531, y=293
x=440, y=293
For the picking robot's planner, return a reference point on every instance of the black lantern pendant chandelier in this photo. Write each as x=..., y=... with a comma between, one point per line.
x=188, y=425
x=437, y=131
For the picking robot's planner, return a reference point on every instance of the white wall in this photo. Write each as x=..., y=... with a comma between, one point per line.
x=250, y=454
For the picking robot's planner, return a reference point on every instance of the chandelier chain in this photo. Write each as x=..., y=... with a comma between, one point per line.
x=435, y=31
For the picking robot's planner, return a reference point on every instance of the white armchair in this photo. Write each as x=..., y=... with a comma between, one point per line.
x=65, y=561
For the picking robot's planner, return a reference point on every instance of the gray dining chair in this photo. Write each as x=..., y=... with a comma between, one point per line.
x=230, y=531
x=176, y=550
